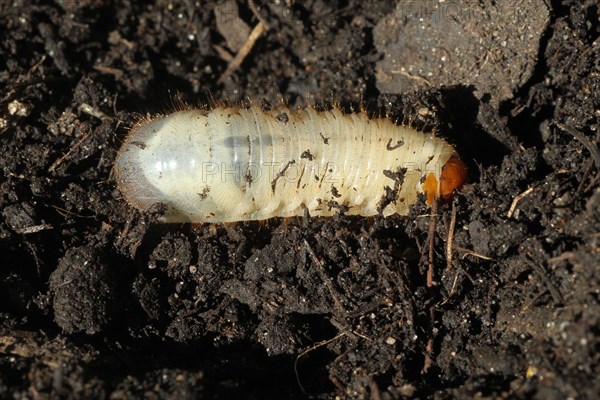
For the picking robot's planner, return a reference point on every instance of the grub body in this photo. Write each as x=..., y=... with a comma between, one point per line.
x=240, y=164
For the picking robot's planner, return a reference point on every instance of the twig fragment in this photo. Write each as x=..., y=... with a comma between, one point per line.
x=540, y=270
x=244, y=51
x=450, y=238
x=93, y=111
x=310, y=349
x=324, y=277
x=56, y=163
x=471, y=253
x=516, y=201
x=592, y=148
x=429, y=283
x=34, y=229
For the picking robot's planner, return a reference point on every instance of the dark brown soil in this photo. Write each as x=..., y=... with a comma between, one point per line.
x=98, y=300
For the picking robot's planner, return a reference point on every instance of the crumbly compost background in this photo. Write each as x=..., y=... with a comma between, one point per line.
x=97, y=300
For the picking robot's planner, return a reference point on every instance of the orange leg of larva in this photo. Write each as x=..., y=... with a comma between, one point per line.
x=454, y=175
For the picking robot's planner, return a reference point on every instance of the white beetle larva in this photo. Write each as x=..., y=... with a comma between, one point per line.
x=239, y=164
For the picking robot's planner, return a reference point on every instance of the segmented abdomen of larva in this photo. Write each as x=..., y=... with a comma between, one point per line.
x=231, y=164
